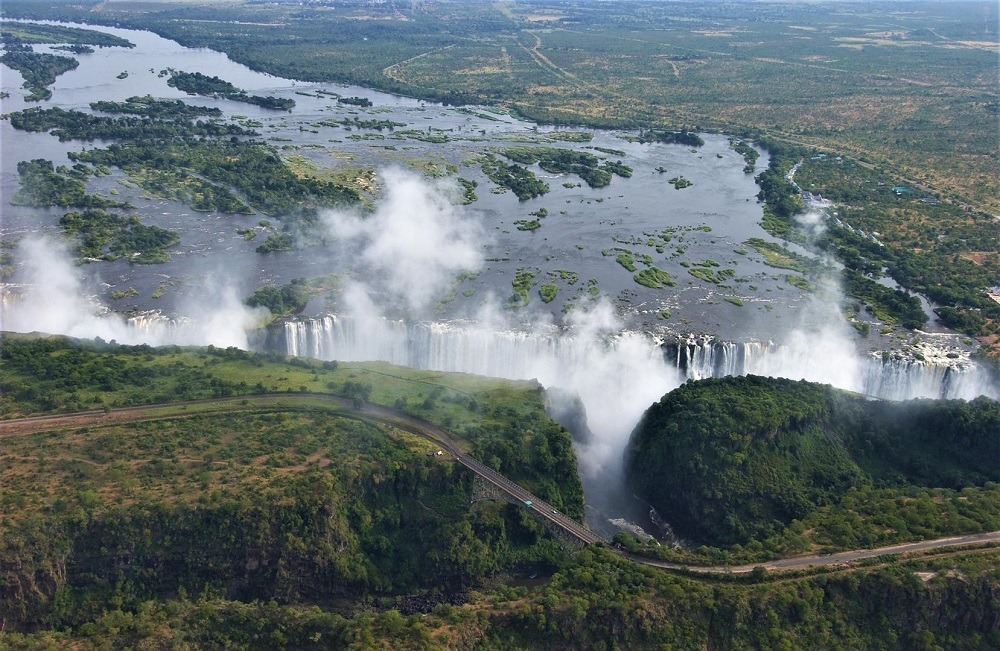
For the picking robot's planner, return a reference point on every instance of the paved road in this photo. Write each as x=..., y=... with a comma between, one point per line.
x=821, y=560
x=430, y=432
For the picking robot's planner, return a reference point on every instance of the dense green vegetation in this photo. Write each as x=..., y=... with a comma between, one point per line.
x=596, y=600
x=501, y=423
x=196, y=83
x=276, y=243
x=889, y=305
x=253, y=170
x=281, y=301
x=38, y=69
x=566, y=161
x=733, y=460
x=156, y=108
x=524, y=280
x=341, y=509
x=520, y=179
x=672, y=137
x=76, y=125
x=547, y=292
x=42, y=185
x=781, y=200
x=107, y=236
x=654, y=278
x=74, y=48
x=292, y=298
x=358, y=123
x=102, y=235
x=285, y=523
x=746, y=150
x=600, y=602
x=468, y=190
x=704, y=271
x=355, y=101
x=779, y=256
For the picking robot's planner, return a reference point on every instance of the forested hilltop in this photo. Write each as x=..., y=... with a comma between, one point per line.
x=278, y=520
x=799, y=466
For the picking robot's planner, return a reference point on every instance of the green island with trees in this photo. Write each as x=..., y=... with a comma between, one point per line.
x=148, y=107
x=77, y=125
x=671, y=137
x=101, y=235
x=234, y=176
x=196, y=83
x=18, y=32
x=108, y=236
x=746, y=150
x=75, y=48
x=566, y=161
x=517, y=178
x=44, y=185
x=292, y=298
x=39, y=69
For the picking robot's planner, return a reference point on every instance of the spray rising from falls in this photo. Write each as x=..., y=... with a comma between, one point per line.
x=562, y=354
x=413, y=244
x=52, y=300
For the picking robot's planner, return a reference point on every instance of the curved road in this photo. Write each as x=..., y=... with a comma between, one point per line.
x=430, y=432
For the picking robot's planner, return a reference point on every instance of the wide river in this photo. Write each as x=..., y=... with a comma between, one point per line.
x=706, y=222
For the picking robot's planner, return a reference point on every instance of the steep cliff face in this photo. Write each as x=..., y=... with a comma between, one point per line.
x=567, y=409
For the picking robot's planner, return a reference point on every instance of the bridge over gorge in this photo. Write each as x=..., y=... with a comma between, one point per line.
x=490, y=483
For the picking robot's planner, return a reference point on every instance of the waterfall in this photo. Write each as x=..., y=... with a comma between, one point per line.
x=559, y=357
x=467, y=348
x=895, y=378
x=703, y=357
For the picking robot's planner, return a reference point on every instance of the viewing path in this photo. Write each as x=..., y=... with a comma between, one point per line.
x=430, y=432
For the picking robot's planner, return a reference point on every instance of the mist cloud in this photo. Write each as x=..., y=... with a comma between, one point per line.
x=54, y=302
x=415, y=242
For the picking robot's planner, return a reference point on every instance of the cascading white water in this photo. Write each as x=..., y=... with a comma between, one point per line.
x=900, y=379
x=703, y=357
x=879, y=376
x=558, y=358
x=441, y=346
